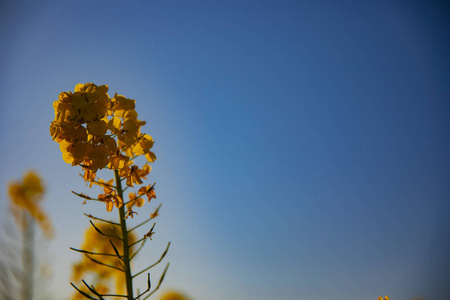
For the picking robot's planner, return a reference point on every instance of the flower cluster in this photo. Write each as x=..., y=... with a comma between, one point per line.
x=26, y=195
x=96, y=131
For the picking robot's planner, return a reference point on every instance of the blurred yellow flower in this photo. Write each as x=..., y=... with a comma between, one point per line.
x=173, y=295
x=108, y=279
x=25, y=196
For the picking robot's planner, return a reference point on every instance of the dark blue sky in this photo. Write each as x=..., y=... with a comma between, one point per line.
x=303, y=146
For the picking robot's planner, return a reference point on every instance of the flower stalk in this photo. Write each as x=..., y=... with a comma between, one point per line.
x=123, y=227
x=95, y=131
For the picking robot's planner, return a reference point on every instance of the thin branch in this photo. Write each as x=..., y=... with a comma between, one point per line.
x=137, y=226
x=150, y=232
x=148, y=289
x=92, y=253
x=83, y=293
x=92, y=289
x=86, y=197
x=98, y=182
x=162, y=256
x=146, y=221
x=104, y=184
x=103, y=264
x=98, y=219
x=114, y=295
x=82, y=195
x=104, y=234
x=138, y=197
x=129, y=246
x=139, y=249
x=159, y=283
x=115, y=250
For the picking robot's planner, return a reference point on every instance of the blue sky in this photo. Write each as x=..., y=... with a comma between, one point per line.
x=302, y=145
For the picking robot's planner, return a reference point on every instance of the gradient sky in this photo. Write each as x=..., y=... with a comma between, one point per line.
x=303, y=146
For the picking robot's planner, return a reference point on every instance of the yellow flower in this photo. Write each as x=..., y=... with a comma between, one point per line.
x=134, y=201
x=129, y=133
x=92, y=101
x=150, y=156
x=144, y=171
x=117, y=161
x=122, y=105
x=89, y=175
x=155, y=213
x=25, y=195
x=99, y=127
x=76, y=133
x=173, y=295
x=73, y=153
x=126, y=169
x=98, y=156
x=33, y=184
x=130, y=114
x=114, y=125
x=144, y=144
x=95, y=131
x=149, y=191
x=65, y=113
x=133, y=176
x=110, y=196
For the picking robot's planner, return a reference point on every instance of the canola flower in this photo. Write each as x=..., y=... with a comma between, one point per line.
x=95, y=132
x=173, y=295
x=25, y=198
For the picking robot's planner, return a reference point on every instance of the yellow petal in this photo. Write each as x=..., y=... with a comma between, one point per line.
x=67, y=157
x=122, y=103
x=79, y=87
x=78, y=150
x=97, y=127
x=142, y=190
x=103, y=89
x=114, y=124
x=109, y=206
x=130, y=114
x=111, y=144
x=144, y=145
x=150, y=156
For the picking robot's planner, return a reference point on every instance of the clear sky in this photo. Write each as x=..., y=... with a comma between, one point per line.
x=303, y=146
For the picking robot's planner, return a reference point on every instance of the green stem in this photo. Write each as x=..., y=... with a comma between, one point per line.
x=123, y=227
